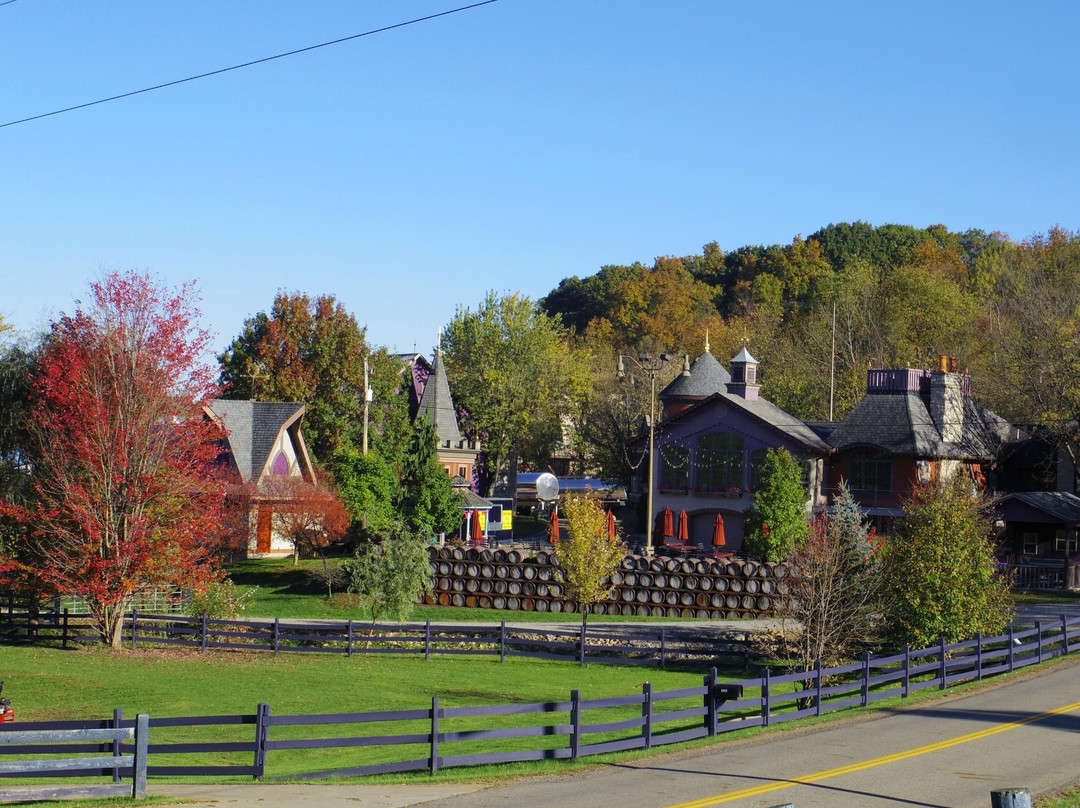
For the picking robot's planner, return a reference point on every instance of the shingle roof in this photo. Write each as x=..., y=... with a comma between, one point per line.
x=900, y=423
x=707, y=376
x=1062, y=506
x=438, y=406
x=253, y=427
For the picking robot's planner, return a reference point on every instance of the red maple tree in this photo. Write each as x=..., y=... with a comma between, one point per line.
x=129, y=491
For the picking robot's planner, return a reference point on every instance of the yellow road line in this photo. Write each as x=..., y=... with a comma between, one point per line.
x=869, y=764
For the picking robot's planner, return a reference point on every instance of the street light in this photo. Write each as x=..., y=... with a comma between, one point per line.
x=649, y=365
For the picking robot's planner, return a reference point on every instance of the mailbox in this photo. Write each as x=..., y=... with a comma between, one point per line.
x=728, y=692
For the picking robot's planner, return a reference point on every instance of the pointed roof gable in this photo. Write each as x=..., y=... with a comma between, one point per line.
x=438, y=406
x=254, y=428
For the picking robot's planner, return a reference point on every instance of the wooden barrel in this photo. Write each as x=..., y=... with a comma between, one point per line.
x=720, y=584
x=513, y=587
x=487, y=571
x=656, y=564
x=501, y=571
x=645, y=579
x=748, y=602
x=705, y=583
x=486, y=586
x=702, y=614
x=540, y=604
x=458, y=585
x=445, y=567
x=543, y=573
x=457, y=553
x=701, y=567
x=556, y=606
x=643, y=563
x=675, y=581
x=515, y=572
x=731, y=601
x=641, y=595
x=528, y=572
x=672, y=597
x=528, y=605
x=768, y=586
x=630, y=579
x=569, y=607
x=484, y=602
x=702, y=599
x=736, y=585
x=749, y=569
x=457, y=599
x=501, y=587
x=472, y=554
x=686, y=613
x=443, y=584
x=498, y=602
x=672, y=611
x=690, y=582
x=513, y=604
x=498, y=555
x=529, y=588
x=660, y=580
x=752, y=586
x=470, y=601
x=628, y=562
x=472, y=585
x=458, y=568
x=486, y=555
x=555, y=590
x=543, y=558
x=472, y=570
x=627, y=594
x=642, y=611
x=444, y=599
x=515, y=556
x=542, y=590
x=686, y=598
x=717, y=601
x=656, y=596
x=764, y=603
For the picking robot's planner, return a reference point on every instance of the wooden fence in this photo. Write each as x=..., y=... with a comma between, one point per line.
x=68, y=740
x=445, y=736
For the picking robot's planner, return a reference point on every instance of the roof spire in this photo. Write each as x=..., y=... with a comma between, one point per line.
x=707, y=340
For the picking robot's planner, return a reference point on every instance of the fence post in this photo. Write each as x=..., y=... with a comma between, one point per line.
x=663, y=647
x=865, y=678
x=64, y=642
x=427, y=640
x=434, y=734
x=117, y=751
x=205, y=629
x=262, y=735
x=710, y=701
x=502, y=641
x=646, y=714
x=1064, y=635
x=1009, y=635
x=352, y=638
x=138, y=768
x=943, y=670
x=907, y=671
x=1039, y=640
x=575, y=723
x=978, y=656
x=277, y=634
x=1011, y=798
x=764, y=697
x=581, y=653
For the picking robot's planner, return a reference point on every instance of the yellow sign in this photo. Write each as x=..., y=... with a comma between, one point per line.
x=508, y=519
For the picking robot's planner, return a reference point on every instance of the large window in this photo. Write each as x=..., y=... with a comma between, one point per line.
x=675, y=467
x=719, y=461
x=870, y=473
x=757, y=463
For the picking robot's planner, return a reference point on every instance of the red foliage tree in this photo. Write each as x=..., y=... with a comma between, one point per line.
x=310, y=515
x=128, y=487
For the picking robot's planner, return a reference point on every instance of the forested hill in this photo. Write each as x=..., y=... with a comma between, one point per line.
x=902, y=296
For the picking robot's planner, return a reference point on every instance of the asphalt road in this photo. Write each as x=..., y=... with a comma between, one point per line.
x=950, y=753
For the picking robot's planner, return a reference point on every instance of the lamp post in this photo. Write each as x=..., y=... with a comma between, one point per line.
x=649, y=365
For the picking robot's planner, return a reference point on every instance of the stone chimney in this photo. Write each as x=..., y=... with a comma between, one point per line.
x=947, y=401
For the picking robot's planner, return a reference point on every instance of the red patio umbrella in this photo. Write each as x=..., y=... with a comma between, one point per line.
x=553, y=528
x=684, y=526
x=611, y=525
x=669, y=526
x=718, y=531
x=474, y=527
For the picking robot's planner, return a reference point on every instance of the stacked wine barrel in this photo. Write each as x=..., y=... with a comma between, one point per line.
x=660, y=586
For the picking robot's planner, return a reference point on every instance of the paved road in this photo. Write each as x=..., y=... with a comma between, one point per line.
x=946, y=754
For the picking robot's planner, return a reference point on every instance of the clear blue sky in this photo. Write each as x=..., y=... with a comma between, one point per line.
x=509, y=146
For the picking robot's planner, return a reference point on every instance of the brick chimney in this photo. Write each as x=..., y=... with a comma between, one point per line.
x=947, y=401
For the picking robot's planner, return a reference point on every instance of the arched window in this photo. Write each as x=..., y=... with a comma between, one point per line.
x=675, y=469
x=281, y=466
x=719, y=461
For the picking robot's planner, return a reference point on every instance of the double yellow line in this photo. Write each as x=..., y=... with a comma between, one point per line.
x=869, y=764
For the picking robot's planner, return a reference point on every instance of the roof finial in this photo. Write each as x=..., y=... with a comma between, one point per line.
x=438, y=344
x=707, y=340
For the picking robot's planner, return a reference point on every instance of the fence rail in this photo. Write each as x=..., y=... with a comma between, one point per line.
x=435, y=737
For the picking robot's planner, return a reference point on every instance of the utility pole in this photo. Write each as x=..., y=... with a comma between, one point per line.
x=367, y=402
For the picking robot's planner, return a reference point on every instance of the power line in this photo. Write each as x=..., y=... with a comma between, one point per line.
x=7, y=2
x=245, y=64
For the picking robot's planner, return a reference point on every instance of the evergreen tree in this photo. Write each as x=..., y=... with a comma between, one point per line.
x=426, y=499
x=776, y=526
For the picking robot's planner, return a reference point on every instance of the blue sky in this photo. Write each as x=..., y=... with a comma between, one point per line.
x=508, y=146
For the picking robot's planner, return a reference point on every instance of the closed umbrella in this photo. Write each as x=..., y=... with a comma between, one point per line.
x=684, y=526
x=718, y=531
x=611, y=525
x=669, y=524
x=553, y=528
x=474, y=527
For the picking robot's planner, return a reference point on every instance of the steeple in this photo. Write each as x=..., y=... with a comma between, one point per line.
x=437, y=405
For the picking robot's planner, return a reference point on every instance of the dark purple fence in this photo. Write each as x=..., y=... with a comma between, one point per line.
x=441, y=737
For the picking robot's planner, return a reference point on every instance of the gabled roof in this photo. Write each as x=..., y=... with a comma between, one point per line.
x=438, y=406
x=254, y=427
x=707, y=376
x=901, y=423
x=761, y=410
x=1059, y=505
